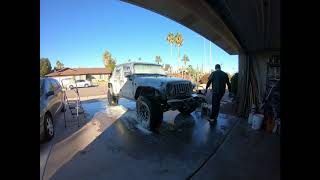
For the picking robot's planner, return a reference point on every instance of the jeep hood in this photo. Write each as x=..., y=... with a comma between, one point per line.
x=157, y=81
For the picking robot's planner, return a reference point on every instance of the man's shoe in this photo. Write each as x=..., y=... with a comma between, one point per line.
x=212, y=121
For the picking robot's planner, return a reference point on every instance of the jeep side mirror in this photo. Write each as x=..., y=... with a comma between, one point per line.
x=129, y=77
x=127, y=74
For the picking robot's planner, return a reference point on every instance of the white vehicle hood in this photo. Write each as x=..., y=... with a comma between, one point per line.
x=156, y=81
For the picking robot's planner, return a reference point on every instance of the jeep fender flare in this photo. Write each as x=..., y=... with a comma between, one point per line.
x=146, y=91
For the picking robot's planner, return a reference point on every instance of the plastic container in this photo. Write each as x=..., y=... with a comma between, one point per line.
x=257, y=120
x=253, y=111
x=250, y=118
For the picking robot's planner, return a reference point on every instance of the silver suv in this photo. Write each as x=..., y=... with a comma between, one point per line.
x=51, y=102
x=153, y=91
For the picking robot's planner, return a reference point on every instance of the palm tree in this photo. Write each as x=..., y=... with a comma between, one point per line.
x=178, y=41
x=158, y=59
x=185, y=59
x=59, y=65
x=170, y=39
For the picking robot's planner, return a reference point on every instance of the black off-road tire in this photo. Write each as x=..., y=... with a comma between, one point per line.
x=156, y=115
x=187, y=110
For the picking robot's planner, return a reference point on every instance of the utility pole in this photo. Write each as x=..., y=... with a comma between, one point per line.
x=210, y=61
x=204, y=54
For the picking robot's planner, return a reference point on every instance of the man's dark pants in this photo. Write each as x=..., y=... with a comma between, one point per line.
x=216, y=98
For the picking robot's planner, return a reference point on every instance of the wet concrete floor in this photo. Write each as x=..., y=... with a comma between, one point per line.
x=112, y=145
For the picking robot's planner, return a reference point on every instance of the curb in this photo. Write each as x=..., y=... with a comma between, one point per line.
x=89, y=97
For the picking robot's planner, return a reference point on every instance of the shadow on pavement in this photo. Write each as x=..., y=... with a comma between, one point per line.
x=113, y=146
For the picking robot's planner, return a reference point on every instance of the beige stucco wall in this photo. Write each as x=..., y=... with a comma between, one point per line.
x=99, y=79
x=96, y=79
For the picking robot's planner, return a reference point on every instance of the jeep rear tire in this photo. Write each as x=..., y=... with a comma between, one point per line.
x=187, y=110
x=112, y=100
x=149, y=114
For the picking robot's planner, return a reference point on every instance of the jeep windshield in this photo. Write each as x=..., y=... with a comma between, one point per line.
x=148, y=69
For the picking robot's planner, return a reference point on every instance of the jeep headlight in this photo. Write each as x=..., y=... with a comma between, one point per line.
x=193, y=85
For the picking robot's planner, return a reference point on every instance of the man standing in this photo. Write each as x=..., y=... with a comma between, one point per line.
x=219, y=79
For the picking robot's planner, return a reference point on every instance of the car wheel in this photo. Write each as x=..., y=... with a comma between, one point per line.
x=112, y=100
x=86, y=85
x=186, y=110
x=48, y=127
x=148, y=113
x=70, y=87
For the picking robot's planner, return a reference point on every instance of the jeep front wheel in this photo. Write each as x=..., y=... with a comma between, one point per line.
x=112, y=100
x=149, y=114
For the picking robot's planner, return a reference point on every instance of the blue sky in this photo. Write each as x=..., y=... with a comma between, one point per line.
x=77, y=32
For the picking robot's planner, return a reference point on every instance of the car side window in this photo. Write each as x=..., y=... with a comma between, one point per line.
x=48, y=86
x=58, y=86
x=127, y=70
x=54, y=85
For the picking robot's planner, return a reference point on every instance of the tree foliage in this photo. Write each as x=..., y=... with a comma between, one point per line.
x=167, y=67
x=109, y=62
x=158, y=59
x=185, y=59
x=59, y=65
x=178, y=39
x=45, y=67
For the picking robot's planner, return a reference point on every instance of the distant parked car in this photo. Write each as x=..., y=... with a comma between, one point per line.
x=80, y=83
x=51, y=102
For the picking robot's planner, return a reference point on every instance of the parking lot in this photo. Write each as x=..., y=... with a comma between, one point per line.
x=93, y=92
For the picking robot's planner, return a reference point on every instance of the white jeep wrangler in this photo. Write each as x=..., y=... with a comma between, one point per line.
x=153, y=91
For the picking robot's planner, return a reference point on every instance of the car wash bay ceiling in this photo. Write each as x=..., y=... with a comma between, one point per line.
x=235, y=26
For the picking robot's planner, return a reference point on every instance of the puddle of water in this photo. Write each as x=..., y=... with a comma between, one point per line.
x=92, y=107
x=129, y=104
x=196, y=124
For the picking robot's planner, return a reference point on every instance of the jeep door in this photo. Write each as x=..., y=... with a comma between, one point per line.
x=116, y=85
x=127, y=87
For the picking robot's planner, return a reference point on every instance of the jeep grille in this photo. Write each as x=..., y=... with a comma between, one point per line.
x=182, y=89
